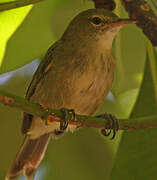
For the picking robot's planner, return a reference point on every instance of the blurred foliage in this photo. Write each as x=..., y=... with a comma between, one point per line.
x=136, y=156
x=25, y=35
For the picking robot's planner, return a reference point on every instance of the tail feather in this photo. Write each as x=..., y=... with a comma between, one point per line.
x=28, y=158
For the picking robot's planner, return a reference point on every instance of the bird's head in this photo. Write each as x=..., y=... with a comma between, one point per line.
x=97, y=25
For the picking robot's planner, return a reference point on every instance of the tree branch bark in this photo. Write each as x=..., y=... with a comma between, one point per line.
x=51, y=115
x=15, y=4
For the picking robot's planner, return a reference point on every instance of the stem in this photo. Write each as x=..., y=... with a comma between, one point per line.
x=152, y=60
x=81, y=120
x=16, y=4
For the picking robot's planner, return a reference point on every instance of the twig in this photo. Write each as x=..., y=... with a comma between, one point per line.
x=81, y=120
x=16, y=4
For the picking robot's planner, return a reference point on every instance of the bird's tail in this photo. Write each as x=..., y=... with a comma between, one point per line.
x=28, y=158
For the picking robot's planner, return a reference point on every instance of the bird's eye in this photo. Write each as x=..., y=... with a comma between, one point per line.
x=96, y=20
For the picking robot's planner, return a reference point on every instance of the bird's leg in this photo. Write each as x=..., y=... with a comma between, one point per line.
x=113, y=122
x=68, y=114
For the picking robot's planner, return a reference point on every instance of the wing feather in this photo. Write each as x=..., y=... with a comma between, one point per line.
x=42, y=70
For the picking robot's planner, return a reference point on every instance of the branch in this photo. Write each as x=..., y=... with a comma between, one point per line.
x=106, y=4
x=145, y=16
x=16, y=4
x=81, y=120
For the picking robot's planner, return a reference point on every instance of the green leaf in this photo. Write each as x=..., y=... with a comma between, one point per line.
x=34, y=36
x=136, y=157
x=9, y=22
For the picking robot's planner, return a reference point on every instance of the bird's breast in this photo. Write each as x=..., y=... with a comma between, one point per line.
x=89, y=88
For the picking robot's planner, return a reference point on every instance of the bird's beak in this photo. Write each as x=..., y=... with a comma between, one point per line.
x=122, y=22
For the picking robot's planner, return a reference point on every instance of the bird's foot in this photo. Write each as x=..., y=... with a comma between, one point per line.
x=113, y=123
x=68, y=114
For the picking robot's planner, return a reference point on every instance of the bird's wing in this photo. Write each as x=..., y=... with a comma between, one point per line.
x=42, y=70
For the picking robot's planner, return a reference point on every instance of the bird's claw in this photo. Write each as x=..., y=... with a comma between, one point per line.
x=68, y=114
x=113, y=124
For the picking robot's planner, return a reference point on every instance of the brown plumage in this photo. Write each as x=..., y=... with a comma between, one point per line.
x=76, y=73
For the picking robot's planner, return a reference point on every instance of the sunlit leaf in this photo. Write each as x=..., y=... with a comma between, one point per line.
x=9, y=22
x=34, y=36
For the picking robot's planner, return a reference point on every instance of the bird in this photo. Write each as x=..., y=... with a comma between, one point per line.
x=77, y=73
